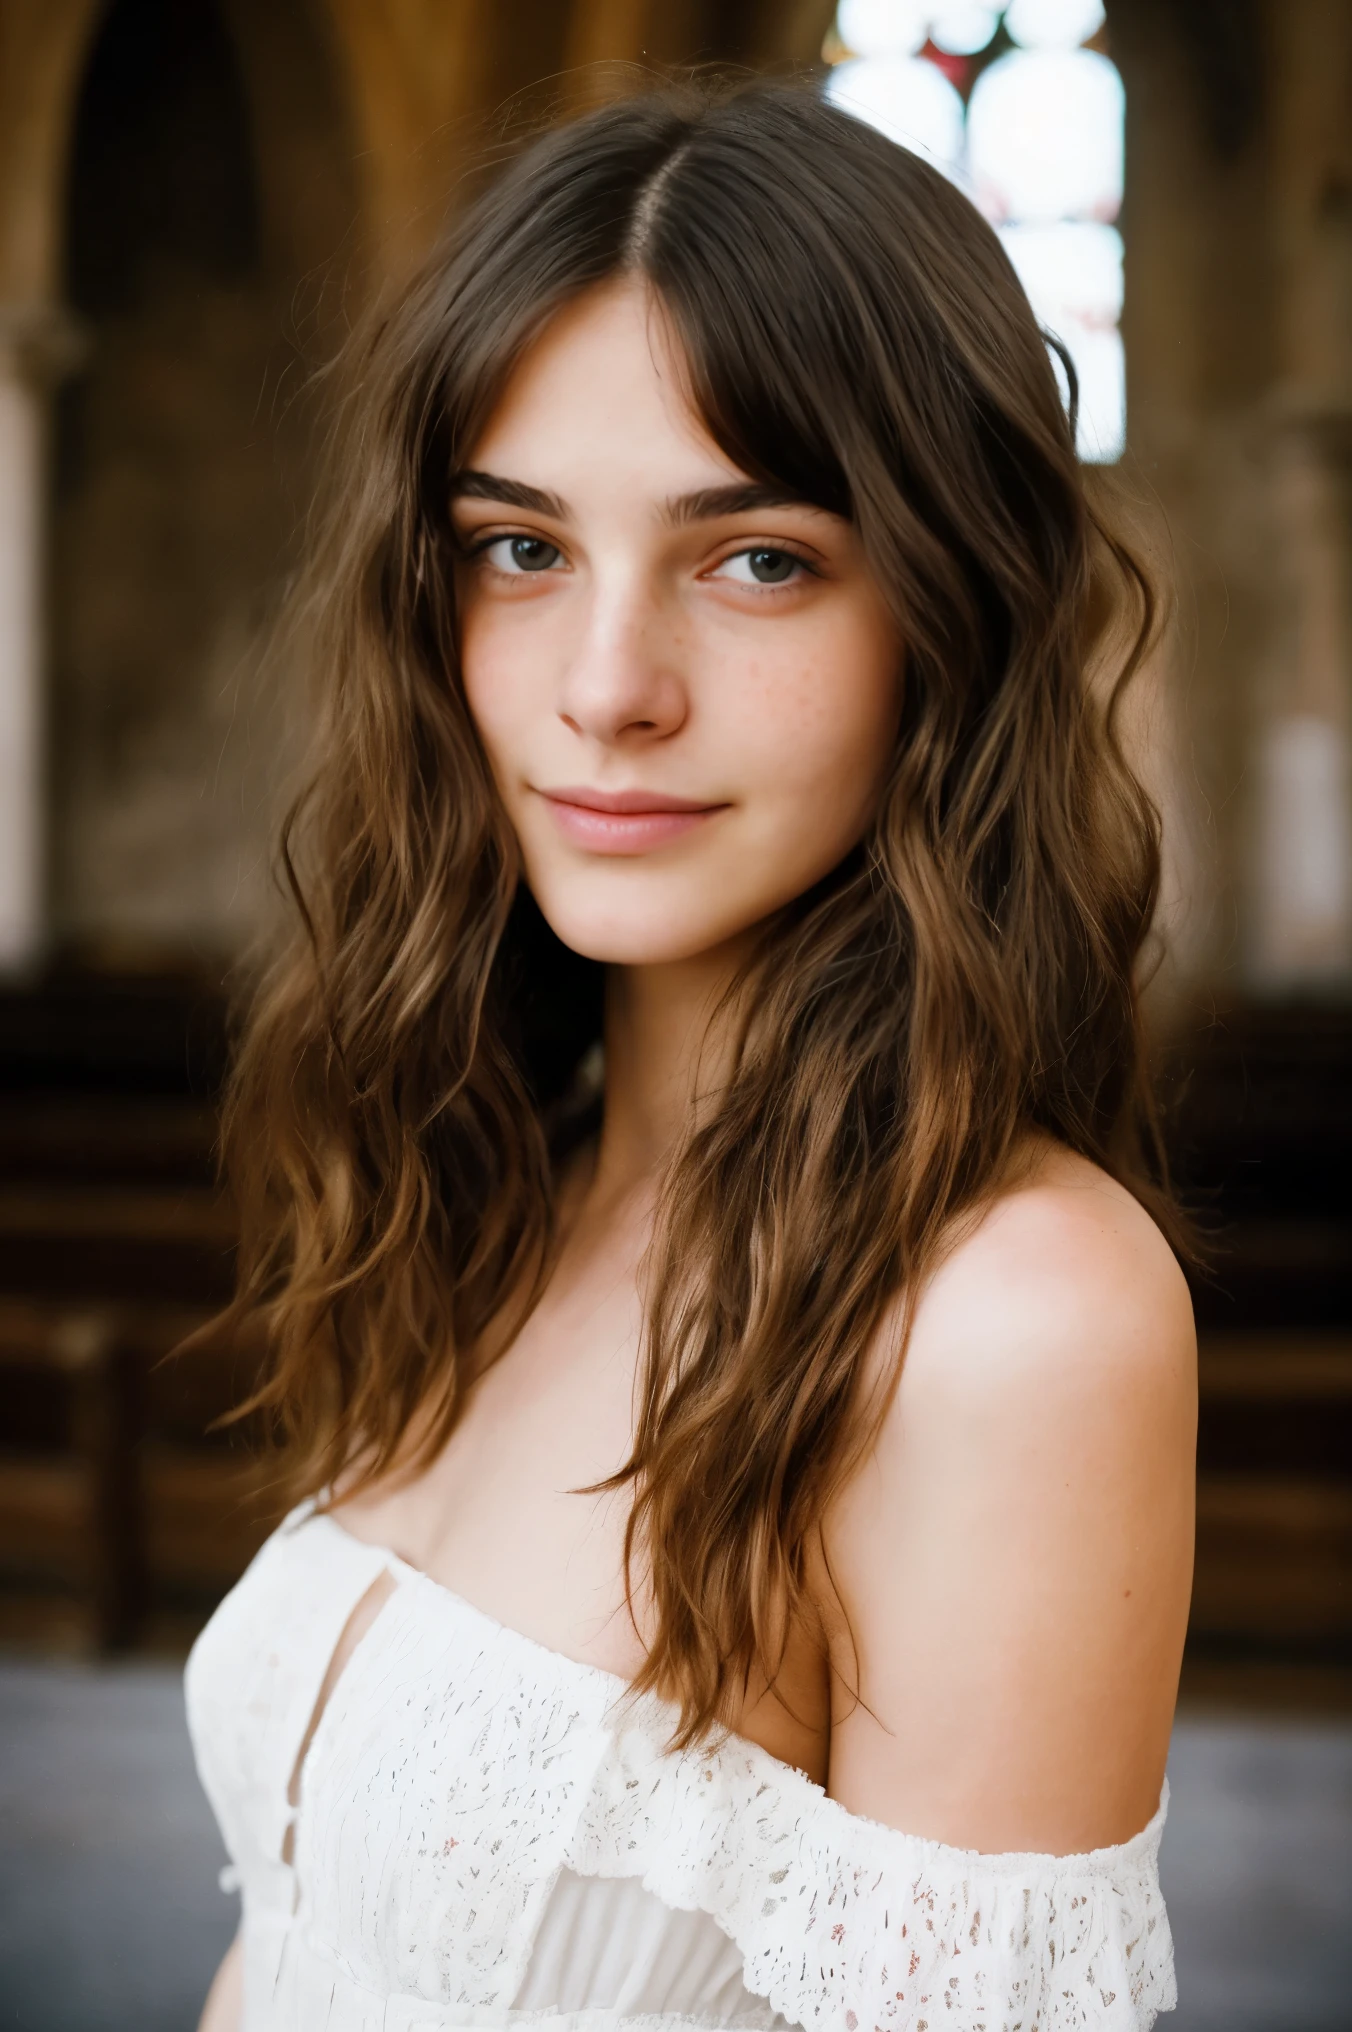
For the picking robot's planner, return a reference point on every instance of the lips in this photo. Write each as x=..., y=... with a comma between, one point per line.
x=625, y=821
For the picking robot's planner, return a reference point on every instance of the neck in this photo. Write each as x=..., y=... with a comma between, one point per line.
x=661, y=1056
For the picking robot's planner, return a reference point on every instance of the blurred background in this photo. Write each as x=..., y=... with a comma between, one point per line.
x=195, y=197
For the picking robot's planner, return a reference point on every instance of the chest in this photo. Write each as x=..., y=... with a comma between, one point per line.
x=510, y=1517
x=508, y=1514
x=468, y=1818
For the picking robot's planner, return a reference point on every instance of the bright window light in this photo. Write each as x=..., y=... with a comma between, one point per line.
x=910, y=100
x=1053, y=24
x=1044, y=136
x=1030, y=123
x=882, y=27
x=963, y=27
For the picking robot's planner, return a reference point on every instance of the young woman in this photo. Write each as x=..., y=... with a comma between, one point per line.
x=688, y=1155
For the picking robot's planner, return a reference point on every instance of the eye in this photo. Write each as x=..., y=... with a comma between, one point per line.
x=515, y=554
x=762, y=566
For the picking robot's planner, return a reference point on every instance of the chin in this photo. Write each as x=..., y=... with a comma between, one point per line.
x=640, y=931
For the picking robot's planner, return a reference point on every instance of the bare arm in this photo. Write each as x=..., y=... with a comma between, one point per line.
x=1015, y=1558
x=223, y=2010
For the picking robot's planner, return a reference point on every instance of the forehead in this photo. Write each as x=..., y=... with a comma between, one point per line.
x=602, y=393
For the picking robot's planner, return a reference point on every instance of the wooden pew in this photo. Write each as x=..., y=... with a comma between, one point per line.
x=1274, y=1494
x=71, y=1510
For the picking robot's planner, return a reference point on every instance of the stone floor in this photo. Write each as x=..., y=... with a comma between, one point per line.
x=1257, y=1869
x=111, y=1921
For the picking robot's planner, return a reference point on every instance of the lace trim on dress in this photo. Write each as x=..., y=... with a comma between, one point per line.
x=846, y=1924
x=459, y=1765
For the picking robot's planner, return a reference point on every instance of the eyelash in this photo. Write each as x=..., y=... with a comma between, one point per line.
x=771, y=550
x=478, y=553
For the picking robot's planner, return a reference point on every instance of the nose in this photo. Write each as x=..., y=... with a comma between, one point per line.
x=623, y=684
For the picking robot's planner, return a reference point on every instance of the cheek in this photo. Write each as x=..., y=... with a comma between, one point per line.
x=496, y=678
x=817, y=724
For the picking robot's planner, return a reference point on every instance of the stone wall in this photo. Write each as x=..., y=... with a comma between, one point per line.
x=1238, y=328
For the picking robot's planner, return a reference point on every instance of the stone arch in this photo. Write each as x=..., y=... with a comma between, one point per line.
x=210, y=187
x=45, y=52
x=43, y=48
x=310, y=186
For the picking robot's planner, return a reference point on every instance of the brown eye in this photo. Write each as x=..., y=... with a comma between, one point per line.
x=771, y=567
x=520, y=554
x=532, y=553
x=763, y=565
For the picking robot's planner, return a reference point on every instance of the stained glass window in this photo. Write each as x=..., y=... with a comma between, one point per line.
x=1023, y=108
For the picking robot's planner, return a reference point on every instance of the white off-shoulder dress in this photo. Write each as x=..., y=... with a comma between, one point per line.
x=490, y=1835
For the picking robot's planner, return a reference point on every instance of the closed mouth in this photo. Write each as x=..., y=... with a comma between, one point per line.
x=627, y=803
x=626, y=822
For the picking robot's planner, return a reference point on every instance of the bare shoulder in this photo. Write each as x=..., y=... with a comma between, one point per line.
x=1011, y=1563
x=1063, y=1279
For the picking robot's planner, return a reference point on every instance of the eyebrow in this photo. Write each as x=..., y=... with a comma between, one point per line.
x=742, y=498
x=471, y=486
x=706, y=505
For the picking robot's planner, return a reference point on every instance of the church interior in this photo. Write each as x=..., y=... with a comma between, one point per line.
x=196, y=196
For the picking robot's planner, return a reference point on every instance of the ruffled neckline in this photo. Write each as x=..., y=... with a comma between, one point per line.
x=653, y=1710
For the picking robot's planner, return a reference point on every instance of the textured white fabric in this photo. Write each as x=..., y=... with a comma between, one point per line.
x=488, y=1833
x=606, y=1943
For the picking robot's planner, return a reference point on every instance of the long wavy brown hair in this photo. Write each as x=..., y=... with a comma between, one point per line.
x=853, y=331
